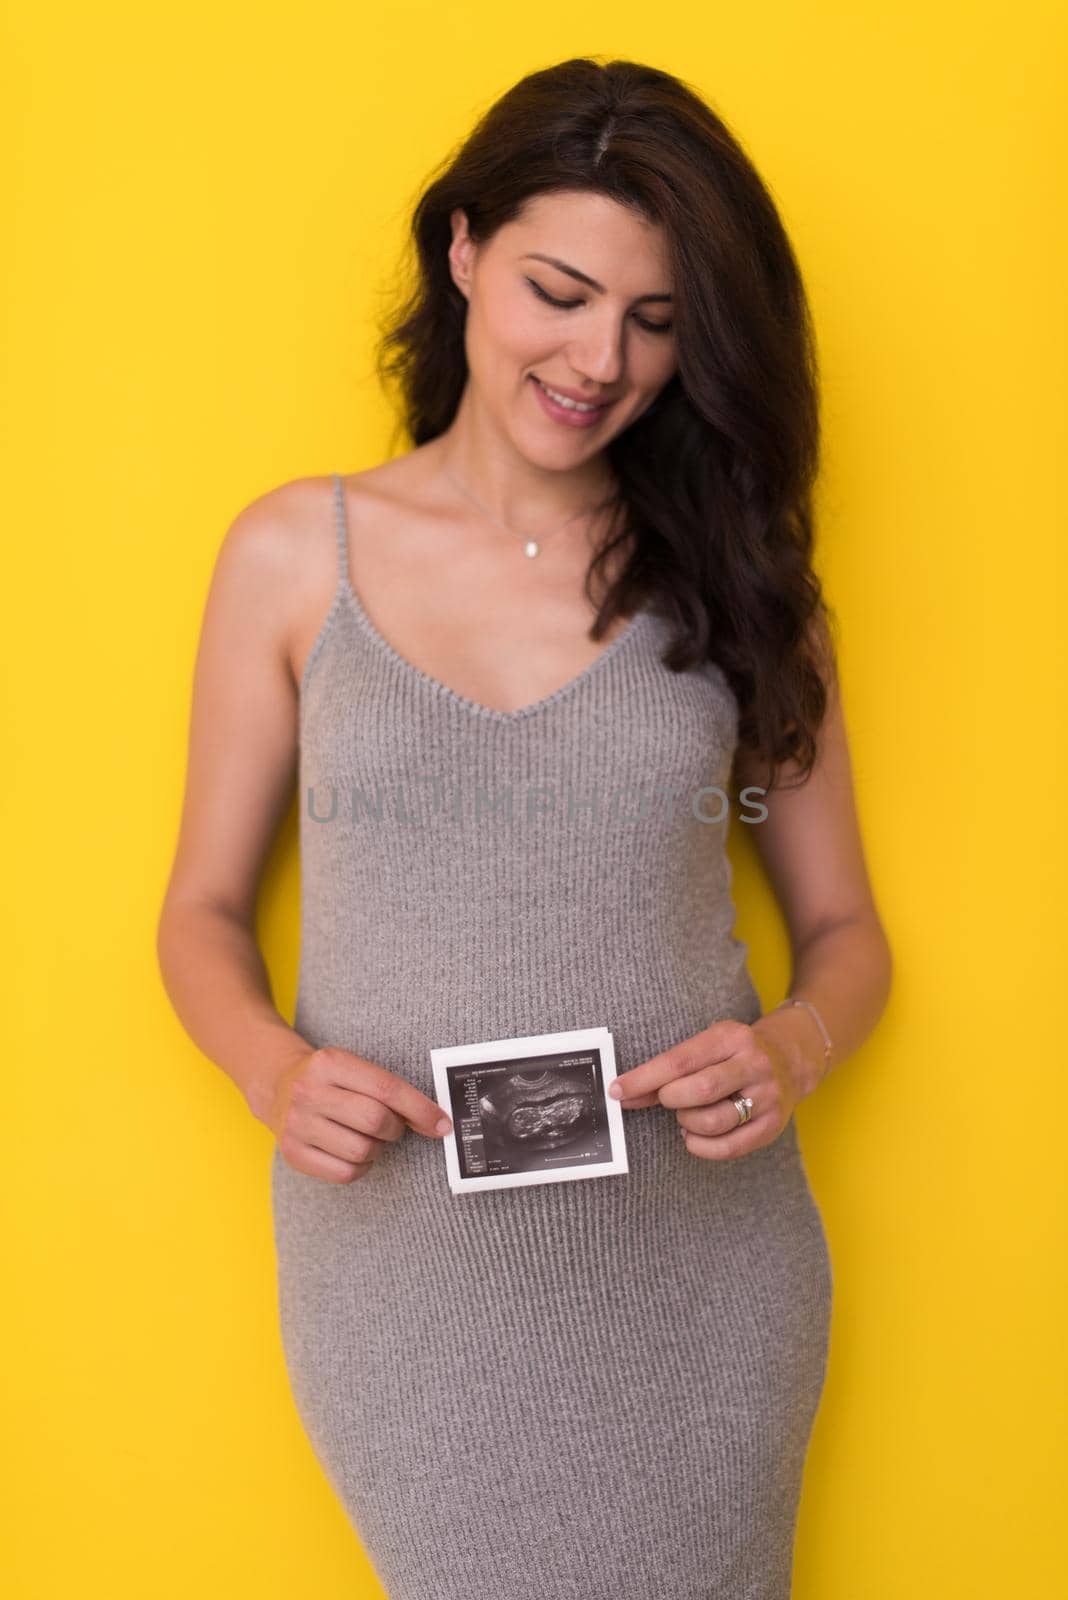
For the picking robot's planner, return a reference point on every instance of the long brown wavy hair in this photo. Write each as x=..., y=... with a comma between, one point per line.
x=715, y=479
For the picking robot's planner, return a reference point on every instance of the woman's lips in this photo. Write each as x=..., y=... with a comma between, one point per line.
x=559, y=413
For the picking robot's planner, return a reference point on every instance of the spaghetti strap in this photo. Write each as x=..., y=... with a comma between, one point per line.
x=341, y=522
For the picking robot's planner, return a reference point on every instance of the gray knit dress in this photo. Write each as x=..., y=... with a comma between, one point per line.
x=591, y=1390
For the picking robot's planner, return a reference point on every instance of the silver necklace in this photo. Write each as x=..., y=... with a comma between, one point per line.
x=531, y=547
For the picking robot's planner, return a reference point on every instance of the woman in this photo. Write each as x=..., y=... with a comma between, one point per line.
x=587, y=587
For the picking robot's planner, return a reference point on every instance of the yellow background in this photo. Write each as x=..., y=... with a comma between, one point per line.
x=203, y=205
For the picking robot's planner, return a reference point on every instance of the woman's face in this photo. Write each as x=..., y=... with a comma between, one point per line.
x=573, y=296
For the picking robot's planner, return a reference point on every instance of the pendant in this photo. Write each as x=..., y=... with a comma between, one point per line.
x=531, y=547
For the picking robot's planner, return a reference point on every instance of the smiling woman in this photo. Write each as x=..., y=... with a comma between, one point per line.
x=520, y=330
x=602, y=1388
x=628, y=258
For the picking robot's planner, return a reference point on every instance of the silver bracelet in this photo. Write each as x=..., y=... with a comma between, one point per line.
x=827, y=1045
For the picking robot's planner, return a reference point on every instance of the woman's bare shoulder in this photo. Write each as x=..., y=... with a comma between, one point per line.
x=279, y=556
x=287, y=535
x=281, y=522
x=277, y=562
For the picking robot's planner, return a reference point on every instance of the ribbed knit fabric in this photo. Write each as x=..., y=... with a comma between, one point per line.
x=592, y=1390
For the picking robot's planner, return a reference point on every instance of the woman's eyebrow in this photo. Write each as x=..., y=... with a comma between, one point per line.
x=573, y=272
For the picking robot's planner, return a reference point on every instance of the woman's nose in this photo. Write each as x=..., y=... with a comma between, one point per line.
x=598, y=354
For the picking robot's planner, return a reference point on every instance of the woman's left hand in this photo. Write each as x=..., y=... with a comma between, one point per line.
x=701, y=1076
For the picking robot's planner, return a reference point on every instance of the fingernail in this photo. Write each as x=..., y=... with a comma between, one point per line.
x=615, y=1091
x=443, y=1126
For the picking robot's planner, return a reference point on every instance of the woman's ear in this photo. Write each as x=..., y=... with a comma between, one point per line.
x=461, y=251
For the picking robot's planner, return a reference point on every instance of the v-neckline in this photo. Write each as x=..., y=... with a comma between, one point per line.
x=474, y=707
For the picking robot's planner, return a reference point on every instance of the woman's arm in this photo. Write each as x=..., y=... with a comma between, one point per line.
x=810, y=845
x=241, y=772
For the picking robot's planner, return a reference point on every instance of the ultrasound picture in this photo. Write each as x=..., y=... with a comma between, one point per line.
x=529, y=1114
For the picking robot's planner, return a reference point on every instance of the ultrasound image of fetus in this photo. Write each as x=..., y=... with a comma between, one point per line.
x=539, y=1110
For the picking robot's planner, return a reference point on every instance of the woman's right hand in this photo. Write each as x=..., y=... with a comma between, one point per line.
x=333, y=1113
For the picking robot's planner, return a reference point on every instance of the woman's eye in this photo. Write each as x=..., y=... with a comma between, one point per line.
x=569, y=305
x=543, y=294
